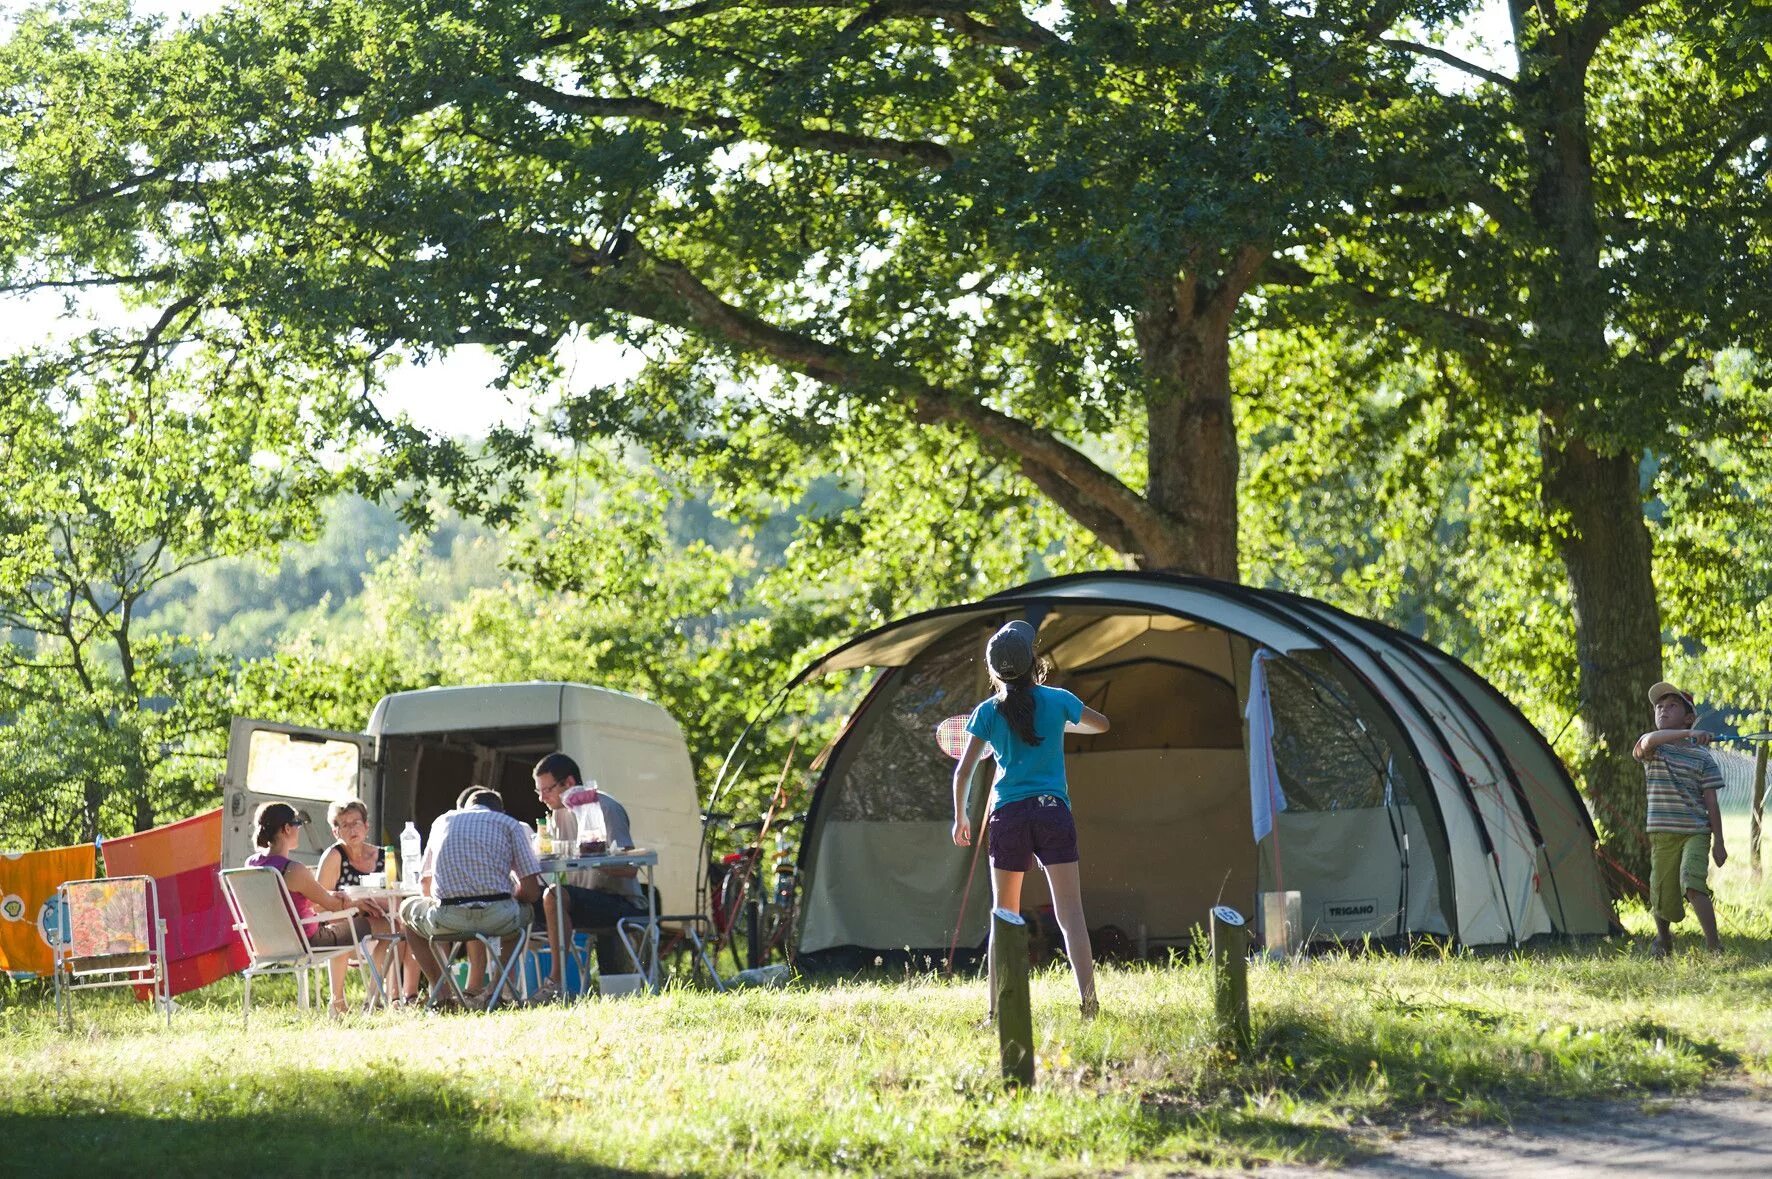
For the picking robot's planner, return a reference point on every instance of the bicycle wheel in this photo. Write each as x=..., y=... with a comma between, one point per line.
x=781, y=930
x=733, y=920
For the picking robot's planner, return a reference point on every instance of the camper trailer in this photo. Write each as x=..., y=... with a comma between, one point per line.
x=420, y=749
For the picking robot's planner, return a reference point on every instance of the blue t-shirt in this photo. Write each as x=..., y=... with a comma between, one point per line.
x=1025, y=770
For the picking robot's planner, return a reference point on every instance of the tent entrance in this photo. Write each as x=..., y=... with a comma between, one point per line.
x=1161, y=800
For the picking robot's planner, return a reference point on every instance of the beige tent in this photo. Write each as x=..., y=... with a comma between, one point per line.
x=1408, y=797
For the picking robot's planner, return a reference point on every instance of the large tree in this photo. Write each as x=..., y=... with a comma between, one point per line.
x=873, y=214
x=116, y=485
x=1583, y=235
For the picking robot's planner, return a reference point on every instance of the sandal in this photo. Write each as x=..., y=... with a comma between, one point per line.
x=547, y=992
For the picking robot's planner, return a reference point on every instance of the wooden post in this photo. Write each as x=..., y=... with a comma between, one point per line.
x=1753, y=836
x=1015, y=1016
x=1230, y=978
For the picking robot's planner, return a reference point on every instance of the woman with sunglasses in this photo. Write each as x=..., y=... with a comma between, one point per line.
x=279, y=833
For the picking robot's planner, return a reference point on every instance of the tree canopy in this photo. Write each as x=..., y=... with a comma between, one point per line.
x=958, y=253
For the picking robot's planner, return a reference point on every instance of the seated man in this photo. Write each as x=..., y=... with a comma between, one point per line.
x=597, y=898
x=472, y=860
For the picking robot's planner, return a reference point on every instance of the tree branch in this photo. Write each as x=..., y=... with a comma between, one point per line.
x=1025, y=34
x=666, y=292
x=1285, y=273
x=91, y=281
x=1451, y=59
x=924, y=152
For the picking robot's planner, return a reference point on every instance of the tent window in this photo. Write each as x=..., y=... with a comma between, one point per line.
x=1327, y=759
x=895, y=772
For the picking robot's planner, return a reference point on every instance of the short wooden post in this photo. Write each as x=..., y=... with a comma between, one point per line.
x=1230, y=978
x=1015, y=1016
x=1753, y=836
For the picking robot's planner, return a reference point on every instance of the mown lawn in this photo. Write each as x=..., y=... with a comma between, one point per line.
x=880, y=1075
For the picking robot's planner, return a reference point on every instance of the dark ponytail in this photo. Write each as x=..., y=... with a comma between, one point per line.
x=1015, y=702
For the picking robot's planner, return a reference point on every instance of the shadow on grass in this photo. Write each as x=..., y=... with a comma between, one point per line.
x=308, y=1123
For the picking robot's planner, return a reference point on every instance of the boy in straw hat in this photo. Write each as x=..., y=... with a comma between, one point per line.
x=1684, y=823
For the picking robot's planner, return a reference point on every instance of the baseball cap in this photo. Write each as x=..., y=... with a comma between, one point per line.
x=1666, y=689
x=1010, y=652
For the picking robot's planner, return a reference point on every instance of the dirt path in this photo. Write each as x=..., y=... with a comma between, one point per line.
x=1724, y=1131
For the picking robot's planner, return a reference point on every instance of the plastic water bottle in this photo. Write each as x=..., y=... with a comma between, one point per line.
x=410, y=851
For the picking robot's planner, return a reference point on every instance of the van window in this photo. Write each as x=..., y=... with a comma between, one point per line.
x=301, y=766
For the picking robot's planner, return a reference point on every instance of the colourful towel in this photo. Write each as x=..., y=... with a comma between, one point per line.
x=28, y=881
x=108, y=923
x=184, y=858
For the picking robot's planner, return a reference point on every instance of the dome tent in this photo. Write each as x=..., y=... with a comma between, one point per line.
x=1406, y=796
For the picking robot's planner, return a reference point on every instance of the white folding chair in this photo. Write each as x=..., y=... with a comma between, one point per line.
x=265, y=915
x=111, y=935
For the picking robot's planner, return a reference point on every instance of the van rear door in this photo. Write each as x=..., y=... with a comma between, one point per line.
x=305, y=767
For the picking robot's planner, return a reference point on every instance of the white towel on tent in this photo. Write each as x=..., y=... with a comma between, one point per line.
x=1265, y=796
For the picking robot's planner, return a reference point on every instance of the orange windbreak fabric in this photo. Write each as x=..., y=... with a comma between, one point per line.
x=28, y=881
x=184, y=859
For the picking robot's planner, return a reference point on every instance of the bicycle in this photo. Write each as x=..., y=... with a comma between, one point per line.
x=766, y=916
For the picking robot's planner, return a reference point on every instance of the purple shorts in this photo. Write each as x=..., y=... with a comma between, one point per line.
x=1039, y=826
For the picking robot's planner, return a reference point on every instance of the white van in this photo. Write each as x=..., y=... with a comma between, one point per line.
x=423, y=748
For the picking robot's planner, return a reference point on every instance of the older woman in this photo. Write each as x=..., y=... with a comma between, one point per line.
x=347, y=862
x=279, y=831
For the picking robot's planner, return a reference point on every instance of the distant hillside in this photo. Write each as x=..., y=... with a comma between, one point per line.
x=247, y=604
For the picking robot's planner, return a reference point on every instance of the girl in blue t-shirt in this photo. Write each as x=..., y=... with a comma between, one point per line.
x=1023, y=727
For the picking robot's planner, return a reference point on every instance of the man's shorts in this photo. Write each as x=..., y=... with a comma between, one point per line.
x=431, y=919
x=1040, y=826
x=1679, y=862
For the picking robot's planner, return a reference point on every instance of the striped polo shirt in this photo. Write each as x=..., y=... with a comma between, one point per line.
x=1678, y=775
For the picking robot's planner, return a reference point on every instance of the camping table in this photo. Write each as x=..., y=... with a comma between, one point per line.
x=391, y=895
x=633, y=857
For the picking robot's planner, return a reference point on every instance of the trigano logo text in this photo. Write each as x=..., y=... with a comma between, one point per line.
x=1349, y=910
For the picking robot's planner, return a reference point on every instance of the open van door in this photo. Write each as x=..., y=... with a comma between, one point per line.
x=306, y=768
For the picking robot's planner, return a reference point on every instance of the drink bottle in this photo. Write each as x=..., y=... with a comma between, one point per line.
x=410, y=851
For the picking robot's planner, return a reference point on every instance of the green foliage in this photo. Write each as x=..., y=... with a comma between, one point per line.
x=244, y=605
x=115, y=487
x=1373, y=485
x=833, y=224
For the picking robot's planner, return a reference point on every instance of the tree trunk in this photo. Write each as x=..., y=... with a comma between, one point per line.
x=1606, y=552
x=1191, y=457
x=1594, y=500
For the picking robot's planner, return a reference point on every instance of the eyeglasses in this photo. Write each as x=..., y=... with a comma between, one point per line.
x=349, y=825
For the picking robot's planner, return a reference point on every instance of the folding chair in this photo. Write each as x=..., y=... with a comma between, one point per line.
x=265, y=915
x=637, y=934
x=112, y=935
x=501, y=966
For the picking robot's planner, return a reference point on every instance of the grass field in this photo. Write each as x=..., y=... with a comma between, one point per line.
x=884, y=1075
